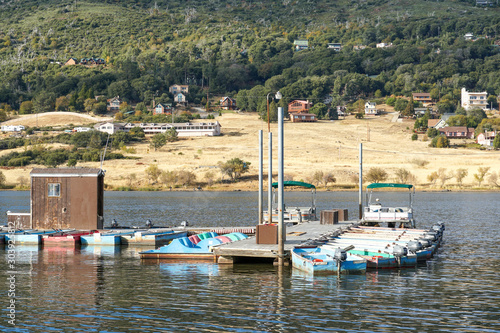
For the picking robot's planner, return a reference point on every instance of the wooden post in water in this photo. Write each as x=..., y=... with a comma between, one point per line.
x=281, y=228
x=360, y=181
x=261, y=165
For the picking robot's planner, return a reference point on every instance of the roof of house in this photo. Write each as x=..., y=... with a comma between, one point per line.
x=299, y=101
x=456, y=129
x=301, y=42
x=421, y=94
x=66, y=172
x=433, y=122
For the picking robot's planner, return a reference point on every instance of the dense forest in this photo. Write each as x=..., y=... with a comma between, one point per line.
x=243, y=49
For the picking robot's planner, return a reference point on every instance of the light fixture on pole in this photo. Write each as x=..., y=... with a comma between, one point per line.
x=277, y=96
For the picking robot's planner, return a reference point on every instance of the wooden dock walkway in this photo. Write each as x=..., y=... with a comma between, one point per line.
x=295, y=235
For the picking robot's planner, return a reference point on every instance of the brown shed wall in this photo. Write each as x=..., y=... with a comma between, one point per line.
x=79, y=205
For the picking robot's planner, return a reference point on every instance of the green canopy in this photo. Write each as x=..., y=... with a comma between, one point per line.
x=294, y=183
x=394, y=185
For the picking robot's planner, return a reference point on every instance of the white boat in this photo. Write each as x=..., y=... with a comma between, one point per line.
x=376, y=213
x=294, y=214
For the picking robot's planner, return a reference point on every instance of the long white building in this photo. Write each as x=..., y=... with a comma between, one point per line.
x=474, y=100
x=183, y=129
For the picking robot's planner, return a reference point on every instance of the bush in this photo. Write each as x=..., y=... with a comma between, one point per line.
x=414, y=137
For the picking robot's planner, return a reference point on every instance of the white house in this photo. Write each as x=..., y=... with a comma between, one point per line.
x=474, y=100
x=382, y=45
x=469, y=36
x=180, y=98
x=335, y=46
x=486, y=138
x=12, y=128
x=371, y=108
x=110, y=128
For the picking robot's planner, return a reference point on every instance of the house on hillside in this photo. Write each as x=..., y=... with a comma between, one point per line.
x=371, y=108
x=457, y=132
x=335, y=46
x=227, y=103
x=359, y=47
x=469, y=36
x=165, y=108
x=177, y=88
x=425, y=98
x=110, y=128
x=71, y=61
x=303, y=117
x=301, y=44
x=383, y=45
x=486, y=138
x=297, y=106
x=12, y=128
x=180, y=98
x=113, y=104
x=474, y=100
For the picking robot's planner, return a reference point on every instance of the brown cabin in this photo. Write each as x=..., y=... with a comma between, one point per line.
x=65, y=198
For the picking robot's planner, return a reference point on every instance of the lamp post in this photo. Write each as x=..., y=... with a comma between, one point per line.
x=277, y=96
x=270, y=172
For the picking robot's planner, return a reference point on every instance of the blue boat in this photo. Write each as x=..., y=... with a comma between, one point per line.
x=151, y=237
x=319, y=260
x=27, y=237
x=104, y=238
x=185, y=248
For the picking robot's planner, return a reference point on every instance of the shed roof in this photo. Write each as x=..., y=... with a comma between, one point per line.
x=67, y=172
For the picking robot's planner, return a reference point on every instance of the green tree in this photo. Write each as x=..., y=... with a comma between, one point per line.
x=320, y=110
x=400, y=104
x=409, y=110
x=171, y=135
x=26, y=107
x=2, y=179
x=376, y=175
x=158, y=140
x=234, y=168
x=432, y=132
x=496, y=142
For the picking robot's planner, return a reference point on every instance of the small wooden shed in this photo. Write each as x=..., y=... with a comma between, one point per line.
x=64, y=198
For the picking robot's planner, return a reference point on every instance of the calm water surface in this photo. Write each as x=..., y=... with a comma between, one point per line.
x=105, y=289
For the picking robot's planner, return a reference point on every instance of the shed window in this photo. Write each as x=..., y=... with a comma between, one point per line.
x=54, y=190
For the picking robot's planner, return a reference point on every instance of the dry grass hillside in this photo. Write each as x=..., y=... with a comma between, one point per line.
x=325, y=146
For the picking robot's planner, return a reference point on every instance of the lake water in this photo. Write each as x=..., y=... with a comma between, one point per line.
x=104, y=289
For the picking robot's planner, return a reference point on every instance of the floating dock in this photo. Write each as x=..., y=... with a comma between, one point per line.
x=297, y=235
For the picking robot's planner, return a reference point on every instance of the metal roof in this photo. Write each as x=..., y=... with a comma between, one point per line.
x=294, y=183
x=393, y=185
x=66, y=172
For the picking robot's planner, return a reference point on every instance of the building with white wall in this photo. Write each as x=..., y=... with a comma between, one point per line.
x=474, y=100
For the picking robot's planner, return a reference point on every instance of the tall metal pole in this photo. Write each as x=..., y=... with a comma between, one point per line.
x=261, y=165
x=360, y=181
x=281, y=228
x=270, y=180
x=268, y=120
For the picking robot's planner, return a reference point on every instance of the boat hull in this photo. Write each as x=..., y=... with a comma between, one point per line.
x=318, y=261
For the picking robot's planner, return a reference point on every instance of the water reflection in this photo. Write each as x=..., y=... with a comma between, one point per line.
x=110, y=289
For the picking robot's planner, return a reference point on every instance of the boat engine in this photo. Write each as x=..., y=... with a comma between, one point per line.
x=114, y=223
x=430, y=236
x=149, y=224
x=399, y=251
x=425, y=242
x=414, y=246
x=340, y=255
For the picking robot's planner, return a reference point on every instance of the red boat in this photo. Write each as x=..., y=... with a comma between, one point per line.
x=65, y=238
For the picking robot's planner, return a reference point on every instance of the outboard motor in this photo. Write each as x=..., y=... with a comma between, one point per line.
x=425, y=242
x=184, y=224
x=430, y=236
x=399, y=251
x=114, y=223
x=414, y=246
x=149, y=224
x=340, y=255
